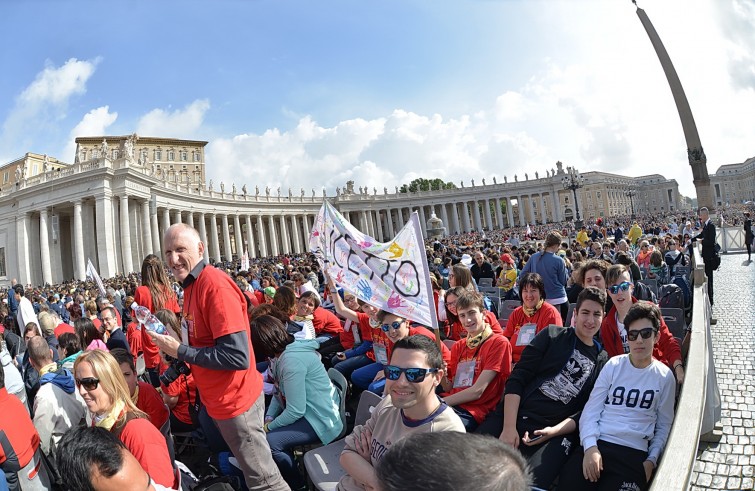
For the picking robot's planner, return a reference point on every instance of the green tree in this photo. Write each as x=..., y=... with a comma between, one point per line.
x=422, y=184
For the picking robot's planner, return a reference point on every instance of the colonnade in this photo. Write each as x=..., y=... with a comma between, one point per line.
x=460, y=216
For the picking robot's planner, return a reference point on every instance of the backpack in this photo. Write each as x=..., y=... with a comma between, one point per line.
x=671, y=296
x=683, y=284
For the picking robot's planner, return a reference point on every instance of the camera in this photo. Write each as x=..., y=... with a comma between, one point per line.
x=176, y=368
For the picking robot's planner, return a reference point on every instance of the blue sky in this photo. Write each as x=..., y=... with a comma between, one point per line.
x=311, y=94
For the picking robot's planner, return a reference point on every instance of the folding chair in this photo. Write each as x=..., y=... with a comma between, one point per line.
x=507, y=307
x=342, y=386
x=486, y=282
x=674, y=319
x=323, y=464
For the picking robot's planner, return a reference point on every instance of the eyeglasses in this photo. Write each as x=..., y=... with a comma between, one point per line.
x=413, y=375
x=394, y=324
x=645, y=333
x=89, y=383
x=451, y=304
x=624, y=286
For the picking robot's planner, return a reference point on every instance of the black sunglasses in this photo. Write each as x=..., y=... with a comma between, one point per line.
x=645, y=333
x=89, y=383
x=413, y=375
x=394, y=324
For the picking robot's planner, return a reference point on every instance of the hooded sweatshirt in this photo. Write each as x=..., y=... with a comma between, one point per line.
x=57, y=407
x=304, y=390
x=13, y=380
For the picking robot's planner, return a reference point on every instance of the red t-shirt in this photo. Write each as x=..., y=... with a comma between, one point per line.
x=544, y=317
x=143, y=297
x=326, y=322
x=151, y=402
x=148, y=446
x=493, y=354
x=459, y=332
x=134, y=338
x=17, y=430
x=186, y=390
x=365, y=329
x=215, y=307
x=63, y=327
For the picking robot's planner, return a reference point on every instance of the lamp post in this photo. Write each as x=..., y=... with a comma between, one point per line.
x=573, y=180
x=631, y=193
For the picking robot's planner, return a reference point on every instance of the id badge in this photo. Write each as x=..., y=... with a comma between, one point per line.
x=526, y=334
x=187, y=325
x=464, y=374
x=381, y=354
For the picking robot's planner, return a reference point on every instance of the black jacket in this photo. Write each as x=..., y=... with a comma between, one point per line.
x=708, y=236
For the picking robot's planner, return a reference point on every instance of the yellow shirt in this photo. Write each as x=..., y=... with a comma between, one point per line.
x=509, y=274
x=634, y=233
x=582, y=238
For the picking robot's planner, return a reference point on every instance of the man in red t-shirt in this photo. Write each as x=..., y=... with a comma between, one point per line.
x=479, y=367
x=215, y=341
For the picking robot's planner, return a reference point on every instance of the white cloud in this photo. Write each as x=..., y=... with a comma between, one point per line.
x=94, y=123
x=181, y=123
x=45, y=101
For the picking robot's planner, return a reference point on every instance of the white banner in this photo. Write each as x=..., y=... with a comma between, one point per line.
x=245, y=261
x=392, y=276
x=94, y=276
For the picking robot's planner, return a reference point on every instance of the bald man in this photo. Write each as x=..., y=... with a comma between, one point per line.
x=215, y=342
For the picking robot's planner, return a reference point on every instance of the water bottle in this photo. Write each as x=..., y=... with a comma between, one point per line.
x=147, y=319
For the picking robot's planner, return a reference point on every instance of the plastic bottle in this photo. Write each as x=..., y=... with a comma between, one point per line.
x=147, y=319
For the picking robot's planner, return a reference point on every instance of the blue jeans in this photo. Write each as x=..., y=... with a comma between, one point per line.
x=283, y=440
x=3, y=482
x=470, y=424
x=364, y=376
x=377, y=387
x=347, y=366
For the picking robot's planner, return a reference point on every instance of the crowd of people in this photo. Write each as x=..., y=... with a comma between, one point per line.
x=587, y=398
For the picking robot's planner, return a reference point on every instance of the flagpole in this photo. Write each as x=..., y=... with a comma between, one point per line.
x=428, y=284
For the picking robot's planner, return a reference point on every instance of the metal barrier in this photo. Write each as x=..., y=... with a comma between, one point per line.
x=731, y=239
x=699, y=407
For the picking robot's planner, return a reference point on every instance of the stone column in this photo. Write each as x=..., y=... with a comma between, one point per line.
x=177, y=216
x=78, y=242
x=203, y=235
x=190, y=219
x=556, y=207
x=423, y=221
x=522, y=218
x=105, y=235
x=389, y=217
x=214, y=239
x=543, y=214
x=237, y=236
x=166, y=221
x=146, y=228
x=363, y=222
x=531, y=202
x=128, y=263
x=23, y=231
x=285, y=243
x=498, y=213
x=476, y=215
x=466, y=226
x=455, y=219
x=296, y=232
x=307, y=232
x=261, y=236
x=400, y=217
x=44, y=247
x=155, y=234
x=226, y=238
x=509, y=212
x=488, y=217
x=250, y=238
x=273, y=236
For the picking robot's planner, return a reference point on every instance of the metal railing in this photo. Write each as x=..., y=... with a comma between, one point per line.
x=699, y=407
x=731, y=239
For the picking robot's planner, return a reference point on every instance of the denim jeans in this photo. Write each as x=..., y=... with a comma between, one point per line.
x=282, y=442
x=364, y=376
x=347, y=366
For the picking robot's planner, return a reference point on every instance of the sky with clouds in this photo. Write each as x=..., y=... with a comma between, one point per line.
x=312, y=94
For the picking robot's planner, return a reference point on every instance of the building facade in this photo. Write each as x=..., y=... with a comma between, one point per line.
x=113, y=204
x=733, y=183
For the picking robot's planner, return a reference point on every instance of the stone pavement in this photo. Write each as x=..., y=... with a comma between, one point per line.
x=730, y=464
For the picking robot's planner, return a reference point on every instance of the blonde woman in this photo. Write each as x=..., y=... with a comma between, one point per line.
x=101, y=384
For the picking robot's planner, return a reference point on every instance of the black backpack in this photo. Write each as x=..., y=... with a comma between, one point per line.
x=671, y=296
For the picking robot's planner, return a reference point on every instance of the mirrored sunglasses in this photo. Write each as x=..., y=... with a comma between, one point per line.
x=413, y=375
x=394, y=325
x=645, y=333
x=624, y=286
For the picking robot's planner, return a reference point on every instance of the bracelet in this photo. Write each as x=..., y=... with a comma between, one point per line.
x=678, y=365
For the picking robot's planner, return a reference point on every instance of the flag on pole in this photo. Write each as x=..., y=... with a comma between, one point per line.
x=391, y=276
x=94, y=276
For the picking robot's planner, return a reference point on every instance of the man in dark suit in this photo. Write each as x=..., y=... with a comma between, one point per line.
x=708, y=236
x=116, y=338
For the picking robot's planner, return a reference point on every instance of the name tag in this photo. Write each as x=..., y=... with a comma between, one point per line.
x=465, y=374
x=526, y=334
x=381, y=354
